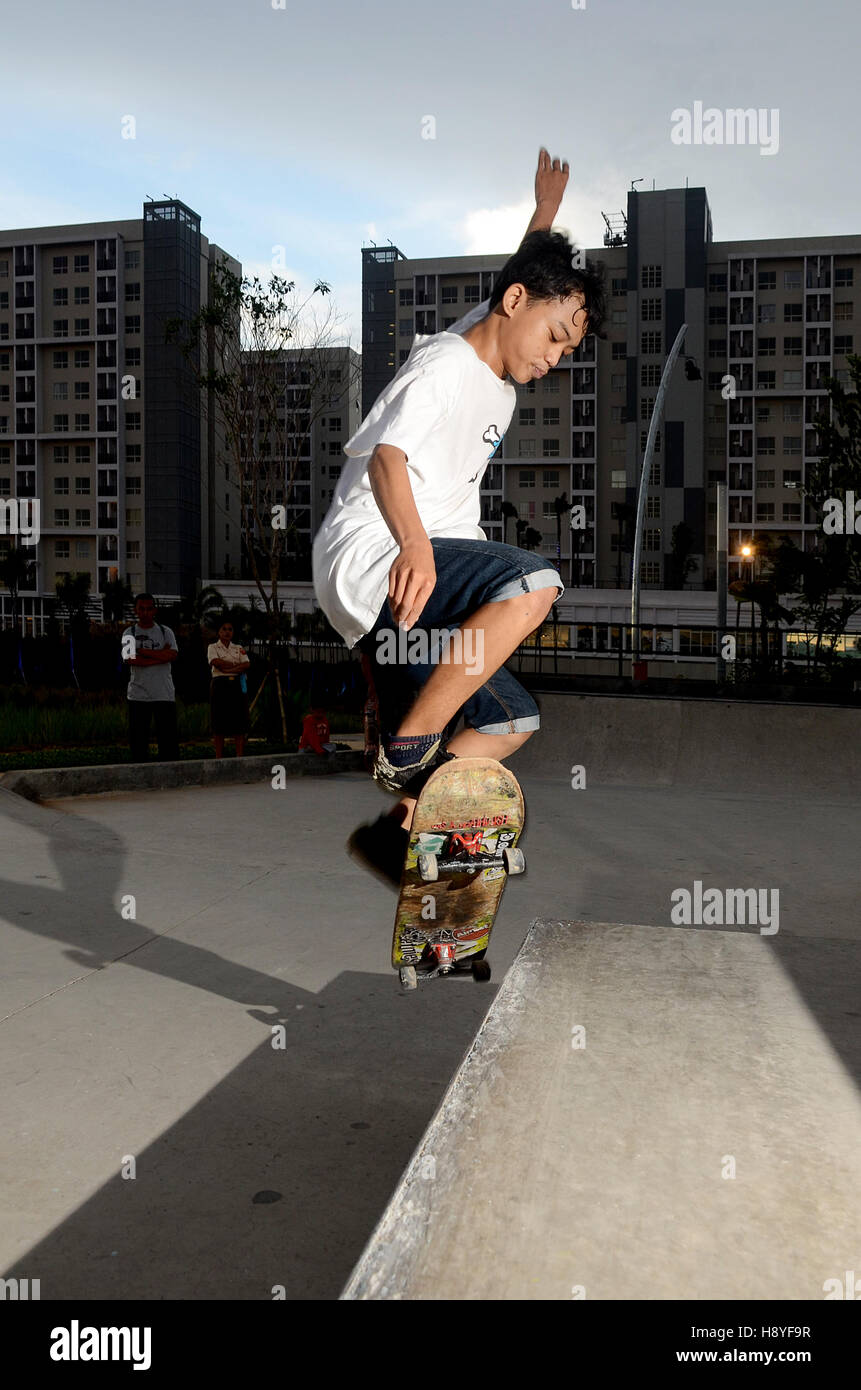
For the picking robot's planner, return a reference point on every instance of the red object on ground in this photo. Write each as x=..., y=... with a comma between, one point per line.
x=315, y=731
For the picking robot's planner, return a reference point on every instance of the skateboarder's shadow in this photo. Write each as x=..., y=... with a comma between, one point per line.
x=88, y=903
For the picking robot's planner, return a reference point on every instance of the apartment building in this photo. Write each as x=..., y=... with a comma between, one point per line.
x=101, y=420
x=767, y=322
x=319, y=409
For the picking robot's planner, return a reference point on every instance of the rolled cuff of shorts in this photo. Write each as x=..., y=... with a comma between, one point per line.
x=525, y=725
x=527, y=583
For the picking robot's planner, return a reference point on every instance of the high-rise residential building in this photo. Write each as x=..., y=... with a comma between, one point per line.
x=767, y=322
x=318, y=411
x=101, y=420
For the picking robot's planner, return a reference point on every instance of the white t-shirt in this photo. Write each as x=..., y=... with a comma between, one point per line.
x=216, y=651
x=448, y=411
x=151, y=682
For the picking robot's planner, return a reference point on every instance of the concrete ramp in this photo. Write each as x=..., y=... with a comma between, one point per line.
x=711, y=745
x=645, y=1113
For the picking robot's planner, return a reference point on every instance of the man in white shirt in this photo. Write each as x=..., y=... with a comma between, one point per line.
x=401, y=564
x=148, y=651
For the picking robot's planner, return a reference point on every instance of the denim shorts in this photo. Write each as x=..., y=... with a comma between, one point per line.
x=469, y=573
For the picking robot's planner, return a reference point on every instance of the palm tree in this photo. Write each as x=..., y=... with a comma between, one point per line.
x=72, y=594
x=509, y=513
x=116, y=597
x=561, y=505
x=531, y=538
x=520, y=528
x=16, y=573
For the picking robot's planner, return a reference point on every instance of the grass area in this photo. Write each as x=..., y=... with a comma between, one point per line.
x=78, y=729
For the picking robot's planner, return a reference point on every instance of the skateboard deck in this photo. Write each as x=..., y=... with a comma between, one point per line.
x=462, y=846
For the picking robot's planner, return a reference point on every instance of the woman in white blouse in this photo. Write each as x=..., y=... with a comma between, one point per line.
x=228, y=702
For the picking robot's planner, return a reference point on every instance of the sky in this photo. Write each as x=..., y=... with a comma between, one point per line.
x=306, y=127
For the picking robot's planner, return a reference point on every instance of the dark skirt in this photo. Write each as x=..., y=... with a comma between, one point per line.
x=228, y=707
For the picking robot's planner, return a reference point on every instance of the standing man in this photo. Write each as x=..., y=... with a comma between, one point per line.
x=149, y=649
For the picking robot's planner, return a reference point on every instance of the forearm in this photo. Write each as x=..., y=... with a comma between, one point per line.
x=390, y=484
x=543, y=216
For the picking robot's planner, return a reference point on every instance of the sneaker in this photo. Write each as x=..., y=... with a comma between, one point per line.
x=382, y=848
x=411, y=778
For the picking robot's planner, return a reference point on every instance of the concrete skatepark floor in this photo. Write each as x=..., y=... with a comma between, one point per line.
x=150, y=1036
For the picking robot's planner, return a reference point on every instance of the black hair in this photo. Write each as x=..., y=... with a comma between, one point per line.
x=543, y=264
x=138, y=598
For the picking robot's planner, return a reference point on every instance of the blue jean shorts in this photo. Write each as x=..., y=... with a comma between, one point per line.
x=469, y=573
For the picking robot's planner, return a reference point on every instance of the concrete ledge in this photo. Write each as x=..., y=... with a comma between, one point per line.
x=700, y=1139
x=712, y=745
x=51, y=783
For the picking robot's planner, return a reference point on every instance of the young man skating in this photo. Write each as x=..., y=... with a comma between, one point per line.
x=401, y=550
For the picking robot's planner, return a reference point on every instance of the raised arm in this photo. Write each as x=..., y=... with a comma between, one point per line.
x=551, y=177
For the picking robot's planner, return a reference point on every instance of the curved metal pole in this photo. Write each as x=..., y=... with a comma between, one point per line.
x=641, y=500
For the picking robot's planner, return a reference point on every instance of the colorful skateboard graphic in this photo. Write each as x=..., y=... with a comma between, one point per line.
x=462, y=847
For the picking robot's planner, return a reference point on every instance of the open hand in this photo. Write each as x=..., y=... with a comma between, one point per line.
x=551, y=178
x=411, y=581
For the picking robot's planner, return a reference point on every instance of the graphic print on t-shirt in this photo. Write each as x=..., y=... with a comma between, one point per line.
x=491, y=436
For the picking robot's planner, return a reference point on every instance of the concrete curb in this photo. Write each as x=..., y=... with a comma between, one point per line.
x=51, y=783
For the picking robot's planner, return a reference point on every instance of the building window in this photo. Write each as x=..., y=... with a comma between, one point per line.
x=618, y=477
x=765, y=511
x=717, y=314
x=132, y=260
x=61, y=328
x=792, y=477
x=82, y=422
x=618, y=352
x=82, y=328
x=61, y=265
x=133, y=486
x=767, y=280
x=844, y=278
x=765, y=477
x=526, y=448
x=61, y=516
x=650, y=572
x=62, y=550
x=650, y=375
x=550, y=415
x=133, y=291
x=767, y=347
x=61, y=424
x=792, y=511
x=526, y=477
x=133, y=323
x=471, y=294
x=82, y=390
x=653, y=509
x=791, y=378
x=765, y=313
x=651, y=278
x=61, y=486
x=449, y=294
x=792, y=313
x=617, y=382
x=82, y=294
x=82, y=550
x=82, y=265
x=82, y=487
x=133, y=419
x=652, y=310
x=652, y=538
x=651, y=343
x=61, y=391
x=717, y=282
x=765, y=381
x=843, y=343
x=550, y=477
x=792, y=279
x=82, y=516
x=526, y=415
x=60, y=298
x=550, y=448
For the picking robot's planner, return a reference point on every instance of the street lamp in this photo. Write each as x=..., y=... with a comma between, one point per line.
x=692, y=373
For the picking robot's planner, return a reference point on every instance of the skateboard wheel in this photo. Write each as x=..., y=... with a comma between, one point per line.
x=481, y=971
x=514, y=861
x=408, y=978
x=428, y=866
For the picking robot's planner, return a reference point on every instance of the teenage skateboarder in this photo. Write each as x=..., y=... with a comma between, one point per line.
x=400, y=558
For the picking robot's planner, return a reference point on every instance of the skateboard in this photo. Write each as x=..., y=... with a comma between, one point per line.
x=462, y=847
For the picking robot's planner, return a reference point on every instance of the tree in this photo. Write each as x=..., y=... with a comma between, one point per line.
x=531, y=538
x=833, y=568
x=116, y=597
x=73, y=591
x=561, y=505
x=16, y=572
x=267, y=365
x=509, y=513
